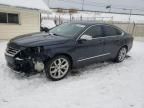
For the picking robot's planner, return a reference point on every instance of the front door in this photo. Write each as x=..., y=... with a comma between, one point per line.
x=90, y=50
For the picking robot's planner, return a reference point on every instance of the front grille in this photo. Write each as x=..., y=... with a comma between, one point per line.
x=12, y=51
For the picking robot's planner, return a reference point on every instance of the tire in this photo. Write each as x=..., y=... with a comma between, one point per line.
x=57, y=68
x=121, y=55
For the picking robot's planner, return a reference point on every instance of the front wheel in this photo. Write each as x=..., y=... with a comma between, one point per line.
x=121, y=54
x=58, y=68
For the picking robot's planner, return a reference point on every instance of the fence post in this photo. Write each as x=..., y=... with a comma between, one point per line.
x=70, y=17
x=133, y=28
x=59, y=19
x=81, y=17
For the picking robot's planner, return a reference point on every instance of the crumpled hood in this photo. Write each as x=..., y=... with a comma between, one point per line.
x=38, y=39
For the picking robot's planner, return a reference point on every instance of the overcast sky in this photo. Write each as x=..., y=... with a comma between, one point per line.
x=99, y=5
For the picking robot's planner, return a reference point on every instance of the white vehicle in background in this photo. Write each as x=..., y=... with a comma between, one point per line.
x=47, y=24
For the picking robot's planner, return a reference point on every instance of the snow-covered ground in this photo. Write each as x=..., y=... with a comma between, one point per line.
x=103, y=85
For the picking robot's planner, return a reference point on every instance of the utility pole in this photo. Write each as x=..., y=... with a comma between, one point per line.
x=130, y=15
x=48, y=3
x=83, y=4
x=129, y=20
x=82, y=8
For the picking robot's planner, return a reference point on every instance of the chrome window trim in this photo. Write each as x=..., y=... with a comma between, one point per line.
x=93, y=57
x=106, y=37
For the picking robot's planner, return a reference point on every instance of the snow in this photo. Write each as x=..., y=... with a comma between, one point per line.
x=48, y=23
x=102, y=85
x=32, y=4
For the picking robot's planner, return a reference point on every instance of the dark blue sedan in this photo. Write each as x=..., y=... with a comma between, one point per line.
x=67, y=46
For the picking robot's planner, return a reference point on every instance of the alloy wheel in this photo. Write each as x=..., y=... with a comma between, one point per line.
x=59, y=68
x=122, y=54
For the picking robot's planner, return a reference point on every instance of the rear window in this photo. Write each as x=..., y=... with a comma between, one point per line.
x=111, y=31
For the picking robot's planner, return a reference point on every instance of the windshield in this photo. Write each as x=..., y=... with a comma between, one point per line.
x=67, y=29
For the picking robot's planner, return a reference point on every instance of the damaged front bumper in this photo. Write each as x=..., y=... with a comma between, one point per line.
x=24, y=65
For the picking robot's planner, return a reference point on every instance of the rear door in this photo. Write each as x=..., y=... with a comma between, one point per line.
x=112, y=39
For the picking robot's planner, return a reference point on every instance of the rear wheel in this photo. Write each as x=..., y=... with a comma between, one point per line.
x=58, y=68
x=121, y=54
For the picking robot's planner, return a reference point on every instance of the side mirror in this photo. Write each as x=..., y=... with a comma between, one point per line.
x=86, y=37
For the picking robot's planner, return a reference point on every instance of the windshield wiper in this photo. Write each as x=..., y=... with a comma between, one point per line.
x=54, y=34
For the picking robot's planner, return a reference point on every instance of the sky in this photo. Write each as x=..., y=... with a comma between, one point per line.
x=99, y=5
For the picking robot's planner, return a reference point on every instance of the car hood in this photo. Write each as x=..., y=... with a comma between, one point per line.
x=38, y=39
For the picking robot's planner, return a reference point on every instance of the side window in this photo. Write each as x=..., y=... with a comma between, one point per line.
x=94, y=31
x=111, y=31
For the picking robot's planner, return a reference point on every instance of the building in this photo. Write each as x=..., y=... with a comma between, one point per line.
x=19, y=17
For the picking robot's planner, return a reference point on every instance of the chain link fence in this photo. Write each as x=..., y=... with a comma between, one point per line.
x=136, y=29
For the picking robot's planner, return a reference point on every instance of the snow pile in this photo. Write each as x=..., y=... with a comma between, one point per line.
x=103, y=85
x=48, y=23
x=32, y=4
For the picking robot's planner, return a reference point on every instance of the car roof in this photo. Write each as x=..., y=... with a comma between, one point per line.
x=89, y=23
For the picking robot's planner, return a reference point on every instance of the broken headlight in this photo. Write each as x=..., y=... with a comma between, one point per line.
x=36, y=50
